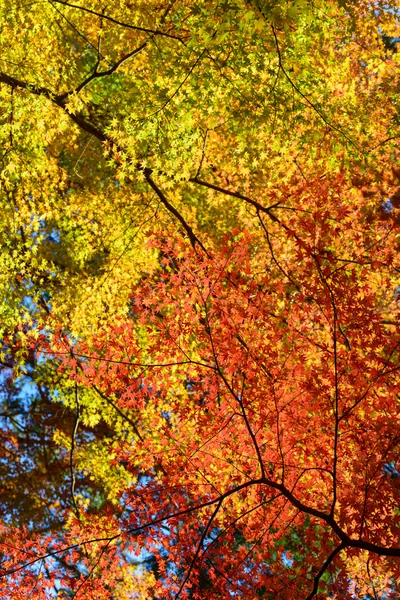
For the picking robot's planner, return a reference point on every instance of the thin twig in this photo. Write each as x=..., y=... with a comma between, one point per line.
x=313, y=106
x=199, y=546
x=119, y=411
x=71, y=454
x=121, y=23
x=192, y=236
x=322, y=570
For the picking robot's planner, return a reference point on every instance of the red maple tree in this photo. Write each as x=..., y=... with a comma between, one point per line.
x=261, y=384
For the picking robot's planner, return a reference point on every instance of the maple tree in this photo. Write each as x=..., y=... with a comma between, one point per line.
x=263, y=456
x=200, y=226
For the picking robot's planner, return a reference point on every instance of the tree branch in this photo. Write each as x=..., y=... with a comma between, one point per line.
x=121, y=23
x=71, y=454
x=199, y=546
x=96, y=74
x=257, y=205
x=322, y=570
x=84, y=124
x=346, y=540
x=119, y=411
x=311, y=104
x=192, y=236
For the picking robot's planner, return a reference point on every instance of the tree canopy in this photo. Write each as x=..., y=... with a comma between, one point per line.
x=199, y=306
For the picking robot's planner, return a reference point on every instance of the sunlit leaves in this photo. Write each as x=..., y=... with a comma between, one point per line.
x=200, y=222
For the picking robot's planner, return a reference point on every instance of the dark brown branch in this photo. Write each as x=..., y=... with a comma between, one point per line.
x=119, y=411
x=84, y=124
x=329, y=520
x=71, y=454
x=96, y=74
x=13, y=82
x=76, y=30
x=371, y=580
x=238, y=195
x=346, y=540
x=88, y=576
x=282, y=270
x=7, y=364
x=132, y=364
x=336, y=377
x=120, y=23
x=192, y=236
x=199, y=547
x=234, y=395
x=383, y=373
x=179, y=86
x=322, y=570
x=132, y=530
x=311, y=104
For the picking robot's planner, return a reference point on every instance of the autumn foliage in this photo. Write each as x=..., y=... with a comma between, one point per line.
x=200, y=353
x=263, y=453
